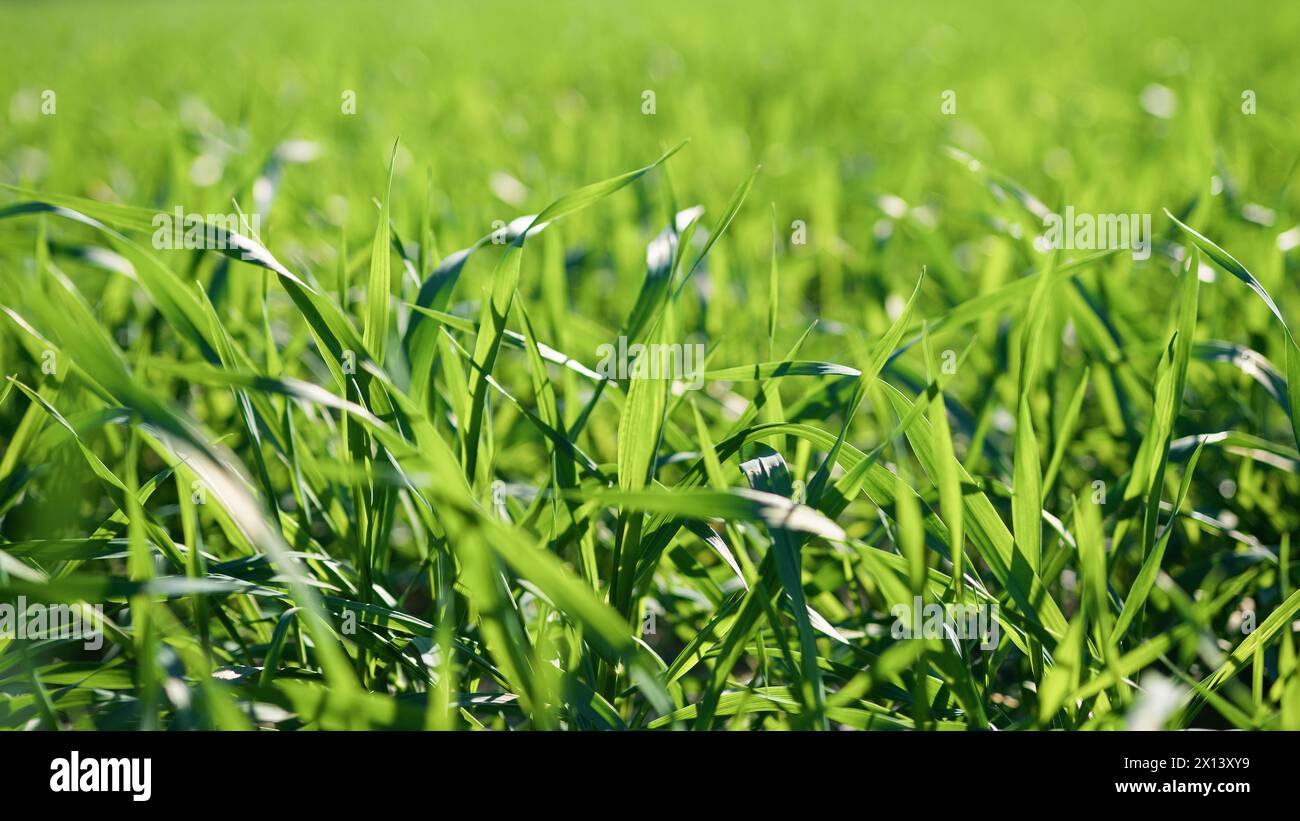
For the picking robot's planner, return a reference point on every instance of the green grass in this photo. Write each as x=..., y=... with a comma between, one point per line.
x=347, y=475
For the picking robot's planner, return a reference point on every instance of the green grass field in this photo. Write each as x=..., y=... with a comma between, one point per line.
x=322, y=407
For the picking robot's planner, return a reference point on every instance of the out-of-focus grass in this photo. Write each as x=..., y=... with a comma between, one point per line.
x=350, y=483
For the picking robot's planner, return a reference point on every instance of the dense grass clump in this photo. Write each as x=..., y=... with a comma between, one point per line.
x=567, y=367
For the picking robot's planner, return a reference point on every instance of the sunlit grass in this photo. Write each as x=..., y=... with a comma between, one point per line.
x=364, y=469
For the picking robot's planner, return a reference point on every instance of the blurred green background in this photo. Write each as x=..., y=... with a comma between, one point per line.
x=163, y=103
